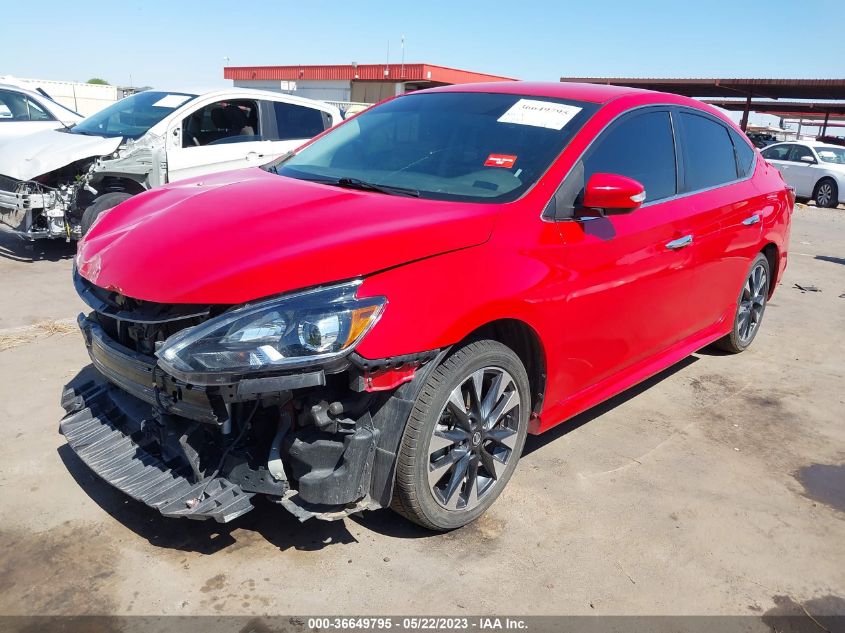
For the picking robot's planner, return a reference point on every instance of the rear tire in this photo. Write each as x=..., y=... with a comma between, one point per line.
x=750, y=307
x=463, y=438
x=826, y=194
x=103, y=203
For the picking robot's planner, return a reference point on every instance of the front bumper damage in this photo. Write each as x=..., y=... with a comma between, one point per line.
x=34, y=211
x=316, y=443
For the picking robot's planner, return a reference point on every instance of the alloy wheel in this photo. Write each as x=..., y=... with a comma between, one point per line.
x=824, y=195
x=752, y=303
x=474, y=438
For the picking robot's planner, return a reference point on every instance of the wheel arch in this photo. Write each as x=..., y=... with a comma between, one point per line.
x=772, y=254
x=820, y=181
x=524, y=341
x=118, y=184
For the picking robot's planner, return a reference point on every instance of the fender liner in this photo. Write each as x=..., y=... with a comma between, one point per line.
x=390, y=419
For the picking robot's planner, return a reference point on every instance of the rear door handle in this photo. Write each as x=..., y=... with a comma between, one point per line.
x=681, y=242
x=754, y=219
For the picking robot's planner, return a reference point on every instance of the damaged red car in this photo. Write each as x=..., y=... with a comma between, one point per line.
x=379, y=318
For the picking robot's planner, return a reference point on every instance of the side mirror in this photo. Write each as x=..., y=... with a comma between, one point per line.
x=808, y=159
x=611, y=194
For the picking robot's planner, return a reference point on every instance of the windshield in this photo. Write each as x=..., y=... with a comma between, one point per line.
x=832, y=154
x=475, y=147
x=133, y=116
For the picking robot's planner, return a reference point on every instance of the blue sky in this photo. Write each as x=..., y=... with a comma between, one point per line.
x=182, y=44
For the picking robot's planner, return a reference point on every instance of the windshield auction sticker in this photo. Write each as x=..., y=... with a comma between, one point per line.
x=500, y=160
x=170, y=101
x=540, y=114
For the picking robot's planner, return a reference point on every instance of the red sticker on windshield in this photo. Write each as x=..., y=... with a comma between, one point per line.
x=500, y=160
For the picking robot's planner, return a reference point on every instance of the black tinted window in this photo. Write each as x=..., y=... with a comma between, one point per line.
x=640, y=147
x=744, y=154
x=708, y=153
x=295, y=121
x=778, y=152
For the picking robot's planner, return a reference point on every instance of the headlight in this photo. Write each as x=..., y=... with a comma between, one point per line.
x=268, y=336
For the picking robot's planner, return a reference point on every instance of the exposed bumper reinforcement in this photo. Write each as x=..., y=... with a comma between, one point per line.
x=100, y=423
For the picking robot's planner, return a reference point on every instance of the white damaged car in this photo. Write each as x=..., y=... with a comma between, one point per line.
x=54, y=183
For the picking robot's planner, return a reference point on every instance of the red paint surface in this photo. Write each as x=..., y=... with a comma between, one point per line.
x=608, y=302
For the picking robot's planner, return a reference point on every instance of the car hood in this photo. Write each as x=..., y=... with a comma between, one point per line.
x=35, y=154
x=243, y=235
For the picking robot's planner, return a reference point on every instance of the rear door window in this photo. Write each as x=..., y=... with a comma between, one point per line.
x=708, y=153
x=640, y=147
x=299, y=122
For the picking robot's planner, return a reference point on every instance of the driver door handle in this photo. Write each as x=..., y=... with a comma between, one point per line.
x=681, y=242
x=754, y=219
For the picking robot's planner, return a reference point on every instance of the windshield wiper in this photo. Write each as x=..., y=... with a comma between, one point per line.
x=363, y=185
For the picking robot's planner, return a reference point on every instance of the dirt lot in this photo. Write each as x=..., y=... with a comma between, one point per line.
x=681, y=496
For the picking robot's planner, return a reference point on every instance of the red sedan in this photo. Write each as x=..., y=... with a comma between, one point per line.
x=379, y=318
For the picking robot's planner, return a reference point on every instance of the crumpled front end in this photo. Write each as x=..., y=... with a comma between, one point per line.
x=33, y=210
x=319, y=440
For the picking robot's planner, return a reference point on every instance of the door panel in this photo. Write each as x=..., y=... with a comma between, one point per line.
x=628, y=276
x=628, y=292
x=728, y=227
x=802, y=175
x=187, y=162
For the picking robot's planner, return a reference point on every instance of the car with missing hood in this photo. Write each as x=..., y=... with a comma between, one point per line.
x=381, y=317
x=54, y=183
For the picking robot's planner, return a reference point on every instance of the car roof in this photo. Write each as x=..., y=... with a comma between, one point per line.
x=594, y=93
x=20, y=89
x=813, y=144
x=240, y=92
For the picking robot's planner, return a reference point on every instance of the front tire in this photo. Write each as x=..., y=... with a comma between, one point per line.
x=750, y=307
x=827, y=194
x=463, y=438
x=103, y=203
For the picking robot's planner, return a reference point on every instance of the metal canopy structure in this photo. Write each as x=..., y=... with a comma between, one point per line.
x=823, y=113
x=817, y=109
x=819, y=89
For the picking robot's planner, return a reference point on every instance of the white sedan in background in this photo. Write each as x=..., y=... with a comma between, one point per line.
x=54, y=184
x=25, y=111
x=815, y=170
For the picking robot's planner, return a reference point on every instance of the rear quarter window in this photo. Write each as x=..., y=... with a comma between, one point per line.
x=744, y=154
x=708, y=153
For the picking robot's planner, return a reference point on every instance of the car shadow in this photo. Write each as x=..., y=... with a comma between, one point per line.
x=536, y=442
x=274, y=524
x=831, y=259
x=17, y=249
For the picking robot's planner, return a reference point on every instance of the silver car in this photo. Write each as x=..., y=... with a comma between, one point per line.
x=815, y=170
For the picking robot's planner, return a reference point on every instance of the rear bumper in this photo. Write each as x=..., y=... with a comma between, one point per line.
x=104, y=427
